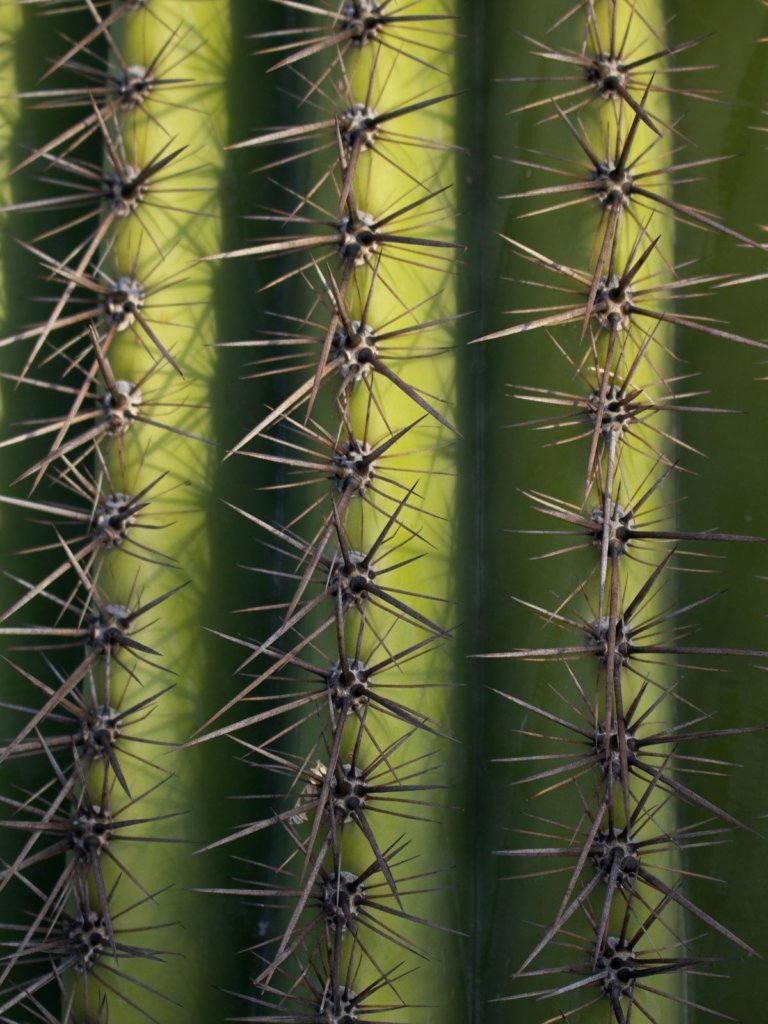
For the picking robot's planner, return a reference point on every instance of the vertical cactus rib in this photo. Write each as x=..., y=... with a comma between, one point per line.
x=419, y=288
x=367, y=224
x=138, y=461
x=623, y=905
x=177, y=222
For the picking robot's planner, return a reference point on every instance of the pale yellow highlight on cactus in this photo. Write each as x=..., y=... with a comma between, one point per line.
x=10, y=24
x=177, y=223
x=10, y=111
x=418, y=285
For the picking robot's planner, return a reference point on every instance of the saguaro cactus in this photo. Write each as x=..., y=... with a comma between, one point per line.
x=253, y=499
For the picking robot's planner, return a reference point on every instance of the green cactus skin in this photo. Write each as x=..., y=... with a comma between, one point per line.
x=464, y=497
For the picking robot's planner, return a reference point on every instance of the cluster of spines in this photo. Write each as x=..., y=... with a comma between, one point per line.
x=80, y=652
x=322, y=661
x=624, y=732
x=339, y=677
